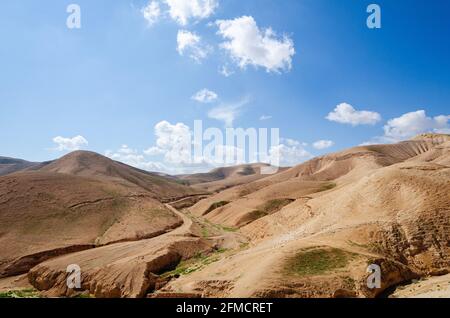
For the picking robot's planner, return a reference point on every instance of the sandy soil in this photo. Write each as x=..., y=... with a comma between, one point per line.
x=433, y=287
x=384, y=204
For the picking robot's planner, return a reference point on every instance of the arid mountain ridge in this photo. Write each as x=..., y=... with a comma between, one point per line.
x=382, y=204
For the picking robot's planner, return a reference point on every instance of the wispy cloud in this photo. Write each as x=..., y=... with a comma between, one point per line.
x=191, y=44
x=225, y=71
x=228, y=112
x=323, y=144
x=181, y=11
x=265, y=117
x=151, y=12
x=205, y=96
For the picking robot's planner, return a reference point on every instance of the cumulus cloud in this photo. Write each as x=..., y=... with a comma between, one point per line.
x=70, y=144
x=174, y=152
x=151, y=12
x=290, y=152
x=247, y=44
x=133, y=158
x=191, y=44
x=228, y=112
x=173, y=141
x=323, y=144
x=205, y=96
x=183, y=11
x=411, y=124
x=346, y=114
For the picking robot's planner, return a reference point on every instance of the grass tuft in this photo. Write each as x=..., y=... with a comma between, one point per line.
x=317, y=261
x=23, y=293
x=216, y=205
x=327, y=186
x=194, y=264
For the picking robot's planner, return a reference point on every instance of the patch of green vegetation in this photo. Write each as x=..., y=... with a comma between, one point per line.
x=257, y=214
x=227, y=228
x=23, y=293
x=244, y=192
x=244, y=246
x=251, y=217
x=327, y=186
x=158, y=213
x=221, y=227
x=216, y=205
x=267, y=208
x=273, y=206
x=316, y=261
x=195, y=263
x=205, y=231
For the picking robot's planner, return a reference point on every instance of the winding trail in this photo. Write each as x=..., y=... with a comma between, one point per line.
x=184, y=228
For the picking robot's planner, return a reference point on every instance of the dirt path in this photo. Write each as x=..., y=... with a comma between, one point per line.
x=114, y=253
x=185, y=227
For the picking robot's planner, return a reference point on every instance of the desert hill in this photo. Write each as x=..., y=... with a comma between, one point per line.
x=309, y=231
x=11, y=165
x=389, y=205
x=77, y=202
x=45, y=214
x=90, y=164
x=227, y=177
x=238, y=205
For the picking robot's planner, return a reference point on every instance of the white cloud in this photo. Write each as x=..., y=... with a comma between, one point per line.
x=183, y=11
x=415, y=123
x=323, y=144
x=205, y=96
x=290, y=152
x=227, y=112
x=151, y=12
x=249, y=45
x=345, y=114
x=70, y=144
x=135, y=159
x=410, y=125
x=191, y=44
x=174, y=141
x=174, y=152
x=225, y=71
x=154, y=151
x=265, y=117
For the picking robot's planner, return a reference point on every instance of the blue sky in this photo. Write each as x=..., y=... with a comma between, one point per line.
x=119, y=76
